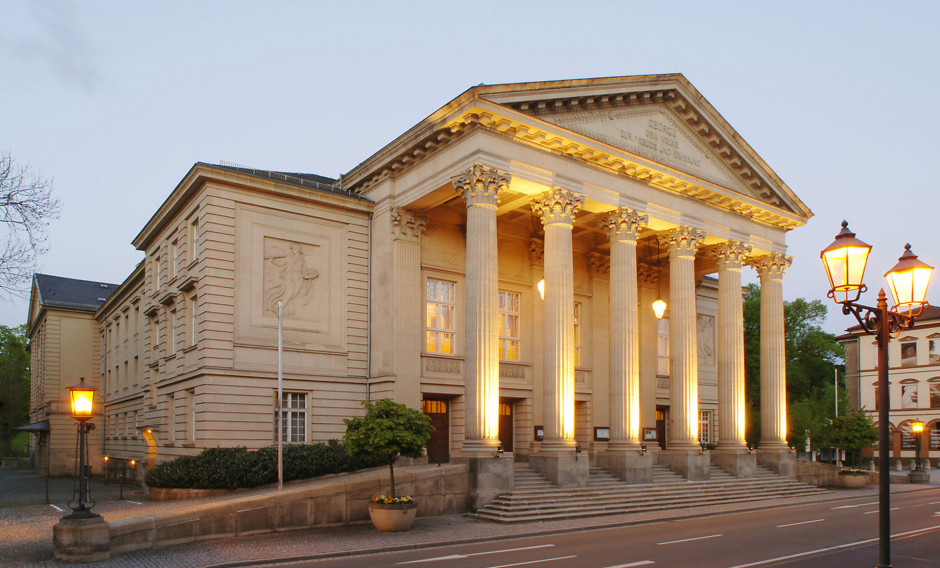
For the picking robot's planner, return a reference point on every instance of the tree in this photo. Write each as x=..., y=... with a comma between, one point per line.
x=26, y=207
x=14, y=383
x=812, y=356
x=388, y=429
x=853, y=432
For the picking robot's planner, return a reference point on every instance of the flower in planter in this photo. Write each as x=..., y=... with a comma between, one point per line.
x=853, y=471
x=382, y=499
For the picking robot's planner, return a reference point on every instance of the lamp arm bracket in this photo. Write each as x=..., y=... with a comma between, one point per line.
x=871, y=321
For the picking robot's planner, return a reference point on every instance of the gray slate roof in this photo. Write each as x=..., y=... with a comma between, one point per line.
x=69, y=293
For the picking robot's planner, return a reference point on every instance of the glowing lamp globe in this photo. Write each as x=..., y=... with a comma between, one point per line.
x=908, y=282
x=659, y=308
x=917, y=427
x=82, y=400
x=845, y=261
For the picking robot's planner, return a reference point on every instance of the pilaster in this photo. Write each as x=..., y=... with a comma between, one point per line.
x=406, y=251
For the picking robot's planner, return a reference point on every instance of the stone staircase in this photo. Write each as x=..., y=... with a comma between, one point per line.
x=534, y=498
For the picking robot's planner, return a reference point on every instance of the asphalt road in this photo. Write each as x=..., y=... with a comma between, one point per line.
x=820, y=535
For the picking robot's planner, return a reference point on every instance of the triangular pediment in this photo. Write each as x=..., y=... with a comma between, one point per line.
x=653, y=132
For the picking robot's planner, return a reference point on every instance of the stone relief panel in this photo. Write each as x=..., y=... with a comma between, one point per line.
x=513, y=259
x=290, y=275
x=298, y=260
x=444, y=247
x=706, y=340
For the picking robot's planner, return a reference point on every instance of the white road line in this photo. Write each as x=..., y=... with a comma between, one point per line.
x=873, y=512
x=934, y=503
x=134, y=502
x=688, y=539
x=853, y=506
x=535, y=561
x=632, y=564
x=57, y=508
x=840, y=547
x=801, y=523
x=456, y=556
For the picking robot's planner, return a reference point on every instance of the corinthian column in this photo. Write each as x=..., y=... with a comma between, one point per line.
x=557, y=209
x=773, y=359
x=683, y=342
x=730, y=256
x=480, y=187
x=622, y=226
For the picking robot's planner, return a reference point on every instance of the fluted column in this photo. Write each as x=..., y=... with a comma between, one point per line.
x=622, y=226
x=731, y=408
x=683, y=340
x=773, y=357
x=557, y=209
x=480, y=187
x=406, y=250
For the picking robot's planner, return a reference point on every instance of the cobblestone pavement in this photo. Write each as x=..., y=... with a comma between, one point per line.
x=26, y=527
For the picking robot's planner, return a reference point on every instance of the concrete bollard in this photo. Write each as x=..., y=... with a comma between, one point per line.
x=82, y=540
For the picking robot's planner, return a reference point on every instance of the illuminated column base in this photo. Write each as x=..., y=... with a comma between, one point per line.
x=737, y=462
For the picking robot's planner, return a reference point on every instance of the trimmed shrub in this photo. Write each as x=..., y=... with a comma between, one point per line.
x=233, y=468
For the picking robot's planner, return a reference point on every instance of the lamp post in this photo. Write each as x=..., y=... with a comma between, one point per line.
x=81, y=397
x=917, y=475
x=845, y=261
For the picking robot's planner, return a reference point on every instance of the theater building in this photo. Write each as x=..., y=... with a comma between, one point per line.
x=495, y=265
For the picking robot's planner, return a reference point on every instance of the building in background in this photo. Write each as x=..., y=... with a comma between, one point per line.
x=914, y=375
x=496, y=266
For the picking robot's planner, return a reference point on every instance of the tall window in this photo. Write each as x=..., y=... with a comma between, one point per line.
x=189, y=410
x=193, y=239
x=156, y=272
x=171, y=332
x=705, y=426
x=174, y=257
x=577, y=334
x=662, y=347
x=440, y=319
x=509, y=326
x=294, y=418
x=192, y=320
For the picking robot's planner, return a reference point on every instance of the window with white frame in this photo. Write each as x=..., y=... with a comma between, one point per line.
x=294, y=418
x=577, y=334
x=192, y=320
x=705, y=427
x=193, y=239
x=662, y=347
x=509, y=325
x=441, y=308
x=156, y=272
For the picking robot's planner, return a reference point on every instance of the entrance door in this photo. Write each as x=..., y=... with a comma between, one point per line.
x=505, y=424
x=439, y=443
x=661, y=426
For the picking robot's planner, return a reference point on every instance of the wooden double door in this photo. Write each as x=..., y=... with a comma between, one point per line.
x=438, y=410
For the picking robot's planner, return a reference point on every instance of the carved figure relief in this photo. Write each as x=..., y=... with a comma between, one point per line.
x=706, y=340
x=289, y=276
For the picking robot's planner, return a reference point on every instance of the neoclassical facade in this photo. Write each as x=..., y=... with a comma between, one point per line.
x=495, y=266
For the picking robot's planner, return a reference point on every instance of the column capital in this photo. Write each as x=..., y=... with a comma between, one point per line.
x=622, y=224
x=406, y=225
x=536, y=251
x=682, y=241
x=598, y=264
x=481, y=185
x=731, y=254
x=557, y=205
x=770, y=265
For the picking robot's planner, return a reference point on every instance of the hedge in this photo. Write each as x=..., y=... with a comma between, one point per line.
x=233, y=468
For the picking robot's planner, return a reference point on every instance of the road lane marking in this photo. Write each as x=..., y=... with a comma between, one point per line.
x=853, y=506
x=801, y=523
x=689, y=539
x=134, y=502
x=57, y=508
x=458, y=556
x=873, y=512
x=632, y=564
x=534, y=561
x=839, y=547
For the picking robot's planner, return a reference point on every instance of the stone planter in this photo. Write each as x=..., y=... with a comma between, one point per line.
x=853, y=481
x=393, y=517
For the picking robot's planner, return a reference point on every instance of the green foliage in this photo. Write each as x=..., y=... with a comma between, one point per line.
x=388, y=429
x=853, y=432
x=812, y=356
x=19, y=444
x=14, y=384
x=233, y=468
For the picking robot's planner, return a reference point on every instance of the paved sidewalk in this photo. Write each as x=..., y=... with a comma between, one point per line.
x=26, y=530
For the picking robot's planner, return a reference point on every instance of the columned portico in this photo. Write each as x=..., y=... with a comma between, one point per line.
x=773, y=450
x=491, y=474
x=624, y=456
x=683, y=453
x=732, y=452
x=558, y=460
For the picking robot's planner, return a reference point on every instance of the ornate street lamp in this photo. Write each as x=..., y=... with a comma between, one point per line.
x=82, y=405
x=917, y=475
x=845, y=261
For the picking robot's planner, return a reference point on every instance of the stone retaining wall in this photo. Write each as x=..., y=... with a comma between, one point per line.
x=438, y=490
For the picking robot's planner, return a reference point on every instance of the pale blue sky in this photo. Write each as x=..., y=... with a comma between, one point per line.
x=117, y=100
